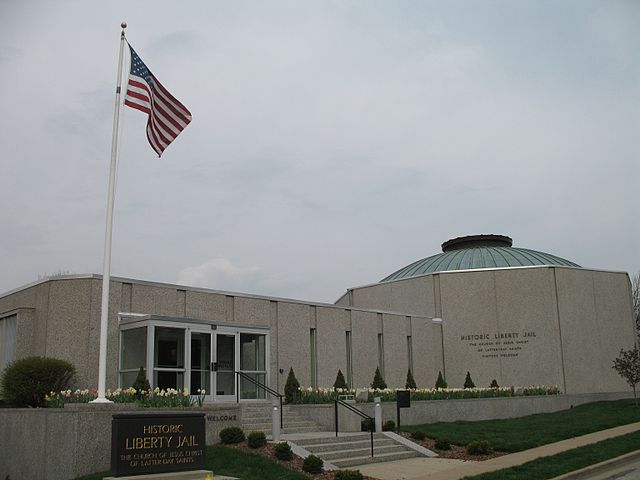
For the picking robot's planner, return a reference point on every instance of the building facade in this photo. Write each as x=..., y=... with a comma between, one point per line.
x=514, y=315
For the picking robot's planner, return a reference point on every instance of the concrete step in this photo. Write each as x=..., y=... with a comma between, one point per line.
x=341, y=439
x=286, y=429
x=267, y=414
x=267, y=425
x=329, y=447
x=359, y=452
x=378, y=458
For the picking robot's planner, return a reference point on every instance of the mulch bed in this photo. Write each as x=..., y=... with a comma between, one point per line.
x=294, y=464
x=456, y=452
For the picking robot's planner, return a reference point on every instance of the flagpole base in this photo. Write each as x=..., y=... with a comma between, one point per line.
x=101, y=400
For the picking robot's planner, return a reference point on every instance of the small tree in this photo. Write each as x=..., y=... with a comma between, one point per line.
x=494, y=384
x=440, y=382
x=378, y=381
x=291, y=388
x=628, y=367
x=410, y=383
x=141, y=383
x=340, y=381
x=468, y=383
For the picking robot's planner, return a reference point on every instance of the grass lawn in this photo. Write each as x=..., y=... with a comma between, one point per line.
x=517, y=434
x=552, y=466
x=232, y=462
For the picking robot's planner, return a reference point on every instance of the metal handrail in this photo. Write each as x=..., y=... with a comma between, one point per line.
x=258, y=384
x=355, y=410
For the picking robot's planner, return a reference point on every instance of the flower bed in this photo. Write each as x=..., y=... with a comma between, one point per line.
x=310, y=395
x=157, y=398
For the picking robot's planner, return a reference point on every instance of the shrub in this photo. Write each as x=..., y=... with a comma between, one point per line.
x=291, y=387
x=442, y=444
x=231, y=435
x=479, y=447
x=348, y=475
x=468, y=383
x=256, y=439
x=378, y=381
x=440, y=383
x=26, y=382
x=340, y=381
x=141, y=384
x=283, y=451
x=494, y=384
x=389, y=426
x=418, y=435
x=312, y=464
x=410, y=383
x=367, y=425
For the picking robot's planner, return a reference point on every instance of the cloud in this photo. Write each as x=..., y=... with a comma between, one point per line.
x=221, y=274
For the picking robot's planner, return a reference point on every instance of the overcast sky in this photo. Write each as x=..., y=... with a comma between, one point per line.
x=332, y=142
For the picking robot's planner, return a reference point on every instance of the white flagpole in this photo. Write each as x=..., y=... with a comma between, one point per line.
x=106, y=270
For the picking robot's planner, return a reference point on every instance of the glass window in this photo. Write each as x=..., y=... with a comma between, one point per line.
x=252, y=352
x=7, y=340
x=168, y=362
x=314, y=357
x=349, y=361
x=133, y=354
x=381, y=354
x=410, y=353
x=134, y=349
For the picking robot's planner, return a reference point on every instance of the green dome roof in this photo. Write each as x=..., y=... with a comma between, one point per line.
x=475, y=252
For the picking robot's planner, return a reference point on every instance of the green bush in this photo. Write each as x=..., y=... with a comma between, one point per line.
x=367, y=425
x=283, y=451
x=27, y=381
x=141, y=384
x=389, y=426
x=468, y=383
x=348, y=475
x=410, y=383
x=231, y=435
x=378, y=381
x=340, y=381
x=440, y=382
x=418, y=435
x=312, y=464
x=291, y=388
x=494, y=384
x=256, y=439
x=442, y=444
x=479, y=447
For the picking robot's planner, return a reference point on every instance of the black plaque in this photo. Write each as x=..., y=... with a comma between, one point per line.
x=404, y=398
x=157, y=443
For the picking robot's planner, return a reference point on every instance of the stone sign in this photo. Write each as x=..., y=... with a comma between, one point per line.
x=157, y=443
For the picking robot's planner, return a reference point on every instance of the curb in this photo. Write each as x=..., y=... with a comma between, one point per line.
x=598, y=467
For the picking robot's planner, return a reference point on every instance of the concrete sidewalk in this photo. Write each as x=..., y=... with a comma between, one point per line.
x=444, y=469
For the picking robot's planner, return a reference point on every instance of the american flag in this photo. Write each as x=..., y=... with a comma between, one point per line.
x=167, y=116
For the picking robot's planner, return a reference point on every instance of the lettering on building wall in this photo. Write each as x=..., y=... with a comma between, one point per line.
x=146, y=443
x=500, y=344
x=222, y=418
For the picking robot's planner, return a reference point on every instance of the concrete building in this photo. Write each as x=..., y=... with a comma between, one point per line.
x=515, y=315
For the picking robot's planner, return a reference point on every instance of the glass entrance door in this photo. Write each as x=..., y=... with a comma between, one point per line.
x=225, y=367
x=200, y=363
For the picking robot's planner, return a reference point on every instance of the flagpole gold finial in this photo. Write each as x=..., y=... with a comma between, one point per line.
x=123, y=25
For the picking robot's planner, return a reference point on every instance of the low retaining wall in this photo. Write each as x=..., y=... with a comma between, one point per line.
x=471, y=409
x=65, y=443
